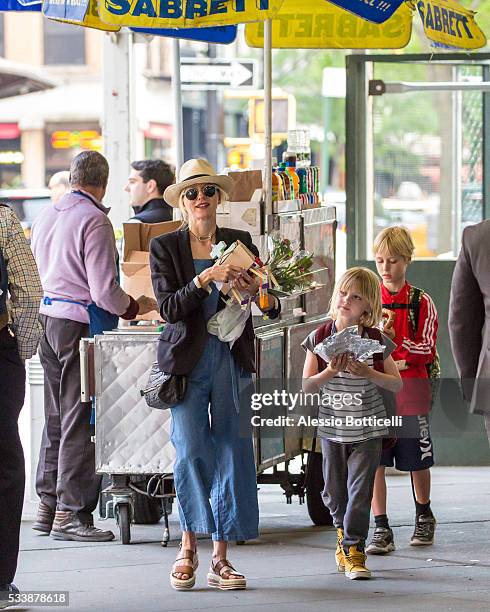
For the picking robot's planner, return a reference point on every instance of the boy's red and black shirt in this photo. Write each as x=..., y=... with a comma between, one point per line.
x=416, y=346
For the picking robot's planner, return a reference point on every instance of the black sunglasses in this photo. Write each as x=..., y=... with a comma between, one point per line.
x=208, y=190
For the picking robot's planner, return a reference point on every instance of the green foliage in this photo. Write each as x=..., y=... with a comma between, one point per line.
x=291, y=269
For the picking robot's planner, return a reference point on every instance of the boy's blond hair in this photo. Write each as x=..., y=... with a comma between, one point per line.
x=396, y=241
x=367, y=284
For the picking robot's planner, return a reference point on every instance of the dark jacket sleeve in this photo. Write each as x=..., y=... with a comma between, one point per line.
x=174, y=302
x=466, y=316
x=274, y=312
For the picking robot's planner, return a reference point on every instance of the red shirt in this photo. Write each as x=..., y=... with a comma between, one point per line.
x=416, y=347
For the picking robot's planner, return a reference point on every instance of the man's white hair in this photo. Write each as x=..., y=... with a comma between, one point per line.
x=60, y=178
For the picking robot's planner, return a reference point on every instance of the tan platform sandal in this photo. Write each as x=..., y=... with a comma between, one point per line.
x=186, y=563
x=223, y=575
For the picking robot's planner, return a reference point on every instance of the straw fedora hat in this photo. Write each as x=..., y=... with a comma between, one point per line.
x=194, y=172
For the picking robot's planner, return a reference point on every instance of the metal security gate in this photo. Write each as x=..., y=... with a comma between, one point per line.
x=418, y=140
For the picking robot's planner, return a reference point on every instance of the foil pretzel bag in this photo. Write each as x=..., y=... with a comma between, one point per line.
x=348, y=341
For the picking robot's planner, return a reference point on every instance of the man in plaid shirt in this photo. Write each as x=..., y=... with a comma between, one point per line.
x=20, y=331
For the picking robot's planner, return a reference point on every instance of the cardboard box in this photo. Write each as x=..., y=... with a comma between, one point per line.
x=244, y=184
x=245, y=216
x=135, y=267
x=237, y=254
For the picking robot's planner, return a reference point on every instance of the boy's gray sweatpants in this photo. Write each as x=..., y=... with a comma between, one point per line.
x=349, y=471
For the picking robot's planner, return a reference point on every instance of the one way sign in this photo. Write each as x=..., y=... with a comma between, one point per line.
x=217, y=74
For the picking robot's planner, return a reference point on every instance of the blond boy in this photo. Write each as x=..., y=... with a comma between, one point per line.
x=412, y=325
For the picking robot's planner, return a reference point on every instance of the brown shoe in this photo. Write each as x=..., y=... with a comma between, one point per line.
x=68, y=526
x=44, y=519
x=222, y=575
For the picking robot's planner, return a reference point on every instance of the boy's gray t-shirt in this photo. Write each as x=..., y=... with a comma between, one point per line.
x=347, y=396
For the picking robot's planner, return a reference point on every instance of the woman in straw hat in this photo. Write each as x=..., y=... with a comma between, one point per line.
x=214, y=470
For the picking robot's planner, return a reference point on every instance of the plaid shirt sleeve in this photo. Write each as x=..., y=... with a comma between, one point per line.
x=25, y=290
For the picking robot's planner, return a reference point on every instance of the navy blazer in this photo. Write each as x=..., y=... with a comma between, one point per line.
x=154, y=211
x=180, y=303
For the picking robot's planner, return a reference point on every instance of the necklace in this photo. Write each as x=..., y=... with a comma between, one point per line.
x=202, y=238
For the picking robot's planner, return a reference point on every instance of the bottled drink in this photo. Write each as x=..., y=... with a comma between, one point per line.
x=286, y=182
x=276, y=186
x=291, y=170
x=303, y=180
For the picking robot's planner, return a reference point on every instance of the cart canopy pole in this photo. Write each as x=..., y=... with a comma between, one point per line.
x=268, y=115
x=177, y=92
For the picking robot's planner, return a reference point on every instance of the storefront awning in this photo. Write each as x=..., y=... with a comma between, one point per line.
x=17, y=79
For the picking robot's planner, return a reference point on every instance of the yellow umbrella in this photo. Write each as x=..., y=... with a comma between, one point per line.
x=186, y=13
x=322, y=25
x=325, y=26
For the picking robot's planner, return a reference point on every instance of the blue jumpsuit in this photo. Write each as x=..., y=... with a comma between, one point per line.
x=214, y=471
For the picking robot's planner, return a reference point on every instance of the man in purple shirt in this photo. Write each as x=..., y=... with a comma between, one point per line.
x=74, y=247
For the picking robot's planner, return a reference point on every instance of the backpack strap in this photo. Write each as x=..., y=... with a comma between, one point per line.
x=324, y=331
x=414, y=311
x=378, y=361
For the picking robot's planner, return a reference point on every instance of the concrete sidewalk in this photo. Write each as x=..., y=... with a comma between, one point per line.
x=291, y=566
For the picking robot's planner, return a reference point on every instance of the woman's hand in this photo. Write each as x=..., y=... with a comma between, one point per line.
x=224, y=273
x=359, y=368
x=339, y=363
x=248, y=283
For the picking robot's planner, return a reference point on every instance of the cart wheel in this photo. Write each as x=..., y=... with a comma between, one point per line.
x=122, y=517
x=319, y=514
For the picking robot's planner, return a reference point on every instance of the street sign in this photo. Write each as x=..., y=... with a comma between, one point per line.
x=217, y=74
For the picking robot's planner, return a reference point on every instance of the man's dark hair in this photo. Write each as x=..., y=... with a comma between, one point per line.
x=89, y=168
x=156, y=169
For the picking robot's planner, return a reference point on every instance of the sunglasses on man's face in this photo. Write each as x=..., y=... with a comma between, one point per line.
x=208, y=191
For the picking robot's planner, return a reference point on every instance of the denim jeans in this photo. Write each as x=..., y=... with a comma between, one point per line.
x=214, y=471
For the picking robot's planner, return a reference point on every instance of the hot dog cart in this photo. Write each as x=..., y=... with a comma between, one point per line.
x=133, y=439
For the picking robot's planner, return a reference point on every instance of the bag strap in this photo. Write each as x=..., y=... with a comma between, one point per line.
x=414, y=314
x=378, y=360
x=324, y=331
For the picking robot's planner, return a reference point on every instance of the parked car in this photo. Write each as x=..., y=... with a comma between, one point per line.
x=26, y=203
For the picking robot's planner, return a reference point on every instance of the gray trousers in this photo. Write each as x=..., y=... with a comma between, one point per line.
x=348, y=472
x=66, y=477
x=487, y=425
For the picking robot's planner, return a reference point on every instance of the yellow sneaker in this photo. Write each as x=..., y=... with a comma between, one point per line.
x=339, y=553
x=355, y=564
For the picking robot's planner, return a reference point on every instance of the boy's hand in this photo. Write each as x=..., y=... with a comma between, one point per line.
x=339, y=363
x=388, y=322
x=359, y=368
x=401, y=364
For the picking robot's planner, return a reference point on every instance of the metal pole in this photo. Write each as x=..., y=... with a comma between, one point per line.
x=177, y=92
x=118, y=120
x=268, y=115
x=486, y=147
x=324, y=175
